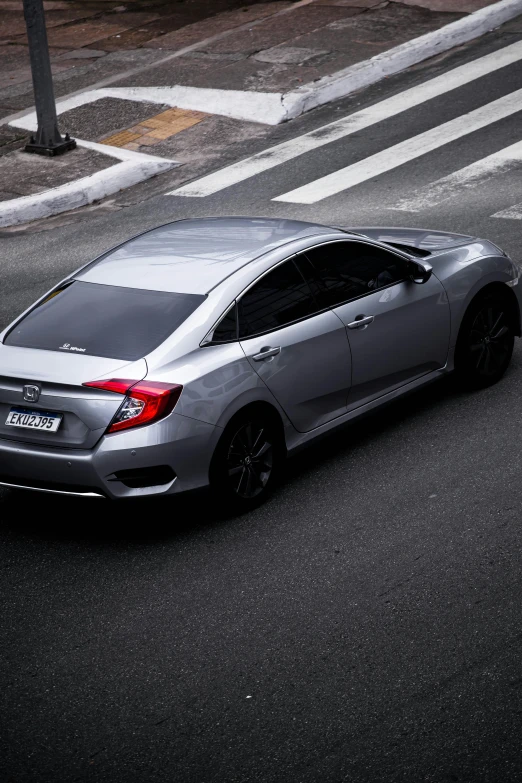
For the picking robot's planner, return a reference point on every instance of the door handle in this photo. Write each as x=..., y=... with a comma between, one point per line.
x=266, y=353
x=360, y=321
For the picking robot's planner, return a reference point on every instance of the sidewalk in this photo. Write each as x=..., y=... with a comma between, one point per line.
x=151, y=82
x=235, y=44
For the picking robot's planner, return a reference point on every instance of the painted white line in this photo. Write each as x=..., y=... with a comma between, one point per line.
x=511, y=213
x=252, y=106
x=452, y=186
x=265, y=107
x=28, y=120
x=133, y=167
x=274, y=156
x=405, y=151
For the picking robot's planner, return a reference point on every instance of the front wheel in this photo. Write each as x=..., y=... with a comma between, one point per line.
x=485, y=342
x=247, y=462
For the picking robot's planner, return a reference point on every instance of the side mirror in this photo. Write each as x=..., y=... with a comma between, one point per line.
x=420, y=271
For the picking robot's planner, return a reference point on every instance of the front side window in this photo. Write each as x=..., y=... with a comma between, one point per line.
x=103, y=320
x=347, y=270
x=280, y=297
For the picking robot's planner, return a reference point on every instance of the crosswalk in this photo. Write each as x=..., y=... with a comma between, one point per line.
x=402, y=153
x=396, y=155
x=512, y=213
x=455, y=184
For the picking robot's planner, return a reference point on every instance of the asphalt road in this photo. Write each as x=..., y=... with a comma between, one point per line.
x=364, y=624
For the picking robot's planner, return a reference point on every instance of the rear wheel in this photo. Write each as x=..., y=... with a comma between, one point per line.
x=485, y=341
x=247, y=461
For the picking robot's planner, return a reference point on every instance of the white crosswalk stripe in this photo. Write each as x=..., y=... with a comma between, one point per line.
x=281, y=153
x=455, y=184
x=511, y=213
x=404, y=152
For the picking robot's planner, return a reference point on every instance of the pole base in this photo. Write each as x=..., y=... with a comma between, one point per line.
x=51, y=150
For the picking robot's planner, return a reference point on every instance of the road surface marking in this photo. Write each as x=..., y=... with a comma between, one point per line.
x=405, y=151
x=511, y=213
x=274, y=156
x=454, y=184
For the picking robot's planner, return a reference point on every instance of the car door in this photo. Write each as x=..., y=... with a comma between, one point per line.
x=398, y=330
x=301, y=353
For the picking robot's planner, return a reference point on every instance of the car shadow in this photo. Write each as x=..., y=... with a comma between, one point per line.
x=97, y=522
x=386, y=419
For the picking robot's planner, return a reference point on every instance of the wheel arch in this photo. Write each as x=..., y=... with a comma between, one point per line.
x=259, y=407
x=256, y=407
x=507, y=293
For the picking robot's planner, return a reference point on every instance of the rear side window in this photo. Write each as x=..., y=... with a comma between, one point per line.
x=347, y=270
x=280, y=297
x=103, y=320
x=226, y=330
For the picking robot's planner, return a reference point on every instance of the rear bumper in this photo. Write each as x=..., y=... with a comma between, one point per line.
x=183, y=445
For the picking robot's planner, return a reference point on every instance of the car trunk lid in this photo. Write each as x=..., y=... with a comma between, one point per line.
x=59, y=377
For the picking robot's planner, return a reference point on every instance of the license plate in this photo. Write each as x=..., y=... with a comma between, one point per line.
x=33, y=420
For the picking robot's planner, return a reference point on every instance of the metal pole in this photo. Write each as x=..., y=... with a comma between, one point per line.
x=48, y=140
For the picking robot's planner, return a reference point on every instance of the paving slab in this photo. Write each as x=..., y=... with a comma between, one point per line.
x=12, y=22
x=21, y=96
x=80, y=54
x=449, y=6
x=274, y=31
x=375, y=31
x=290, y=55
x=350, y=3
x=24, y=174
x=194, y=68
x=221, y=23
x=11, y=139
x=147, y=31
x=86, y=33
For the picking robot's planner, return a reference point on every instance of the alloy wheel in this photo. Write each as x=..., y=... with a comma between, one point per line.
x=489, y=340
x=250, y=459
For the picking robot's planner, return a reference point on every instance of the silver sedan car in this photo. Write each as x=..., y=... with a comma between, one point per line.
x=204, y=351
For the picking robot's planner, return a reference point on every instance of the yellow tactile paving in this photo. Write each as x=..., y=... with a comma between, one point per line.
x=120, y=139
x=160, y=133
x=155, y=129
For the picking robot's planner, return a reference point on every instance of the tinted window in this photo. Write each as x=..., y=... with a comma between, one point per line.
x=347, y=270
x=307, y=271
x=226, y=330
x=280, y=297
x=103, y=320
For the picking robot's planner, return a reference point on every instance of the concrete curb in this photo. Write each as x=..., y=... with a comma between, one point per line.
x=344, y=82
x=132, y=168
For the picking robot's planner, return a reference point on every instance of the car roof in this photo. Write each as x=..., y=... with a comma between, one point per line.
x=193, y=256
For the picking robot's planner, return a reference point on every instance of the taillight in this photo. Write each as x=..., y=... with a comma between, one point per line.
x=145, y=401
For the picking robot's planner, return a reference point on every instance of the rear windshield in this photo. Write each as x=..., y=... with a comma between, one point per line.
x=103, y=320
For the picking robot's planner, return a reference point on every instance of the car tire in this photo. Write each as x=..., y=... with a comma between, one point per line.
x=485, y=341
x=247, y=462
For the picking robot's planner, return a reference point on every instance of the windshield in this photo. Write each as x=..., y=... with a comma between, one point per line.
x=103, y=320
